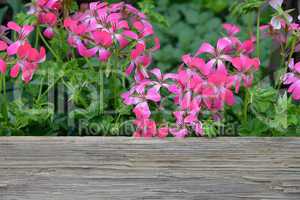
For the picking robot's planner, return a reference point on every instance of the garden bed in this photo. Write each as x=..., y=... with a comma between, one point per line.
x=35, y=168
x=149, y=68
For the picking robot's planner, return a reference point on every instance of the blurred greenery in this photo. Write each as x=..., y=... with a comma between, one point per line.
x=192, y=22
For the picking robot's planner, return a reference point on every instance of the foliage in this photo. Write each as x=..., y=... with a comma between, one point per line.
x=72, y=93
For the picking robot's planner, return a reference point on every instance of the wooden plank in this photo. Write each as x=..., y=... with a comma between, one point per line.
x=39, y=168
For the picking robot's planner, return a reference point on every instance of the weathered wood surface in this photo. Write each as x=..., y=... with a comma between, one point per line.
x=126, y=168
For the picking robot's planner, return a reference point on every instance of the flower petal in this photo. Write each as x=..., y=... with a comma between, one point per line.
x=157, y=73
x=103, y=38
x=15, y=71
x=231, y=29
x=142, y=111
x=179, y=133
x=104, y=55
x=206, y=48
x=14, y=26
x=13, y=48
x=123, y=42
x=129, y=69
x=153, y=94
x=48, y=33
x=3, y=45
x=163, y=132
x=223, y=43
x=131, y=34
x=83, y=51
x=2, y=66
x=229, y=98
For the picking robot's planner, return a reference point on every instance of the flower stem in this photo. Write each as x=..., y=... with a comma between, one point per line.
x=4, y=104
x=115, y=70
x=258, y=33
x=294, y=42
x=40, y=90
x=50, y=87
x=48, y=46
x=37, y=37
x=293, y=46
x=246, y=105
x=101, y=90
x=115, y=89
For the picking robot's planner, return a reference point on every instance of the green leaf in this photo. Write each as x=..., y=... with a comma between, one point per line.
x=3, y=13
x=241, y=8
x=16, y=5
x=148, y=7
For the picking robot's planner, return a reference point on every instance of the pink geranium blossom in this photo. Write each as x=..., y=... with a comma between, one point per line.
x=104, y=29
x=47, y=13
x=231, y=29
x=245, y=67
x=2, y=66
x=219, y=55
x=23, y=32
x=293, y=79
x=19, y=55
x=3, y=47
x=28, y=60
x=282, y=29
x=200, y=86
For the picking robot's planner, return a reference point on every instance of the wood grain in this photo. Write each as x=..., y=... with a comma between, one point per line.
x=39, y=168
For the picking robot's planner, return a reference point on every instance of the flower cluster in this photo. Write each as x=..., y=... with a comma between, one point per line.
x=203, y=83
x=283, y=30
x=27, y=57
x=47, y=12
x=281, y=25
x=118, y=28
x=143, y=93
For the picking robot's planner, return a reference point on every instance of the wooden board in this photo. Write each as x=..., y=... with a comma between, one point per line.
x=39, y=168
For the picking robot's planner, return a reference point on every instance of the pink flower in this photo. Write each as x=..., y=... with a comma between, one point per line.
x=3, y=45
x=2, y=66
x=145, y=128
x=139, y=65
x=28, y=60
x=48, y=18
x=104, y=29
x=277, y=22
x=294, y=87
x=269, y=31
x=48, y=33
x=140, y=60
x=218, y=92
x=102, y=38
x=142, y=111
x=142, y=92
x=293, y=79
x=218, y=54
x=247, y=47
x=49, y=4
x=181, y=133
x=23, y=32
x=103, y=54
x=47, y=12
x=231, y=29
x=187, y=119
x=244, y=66
x=163, y=132
x=199, y=88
